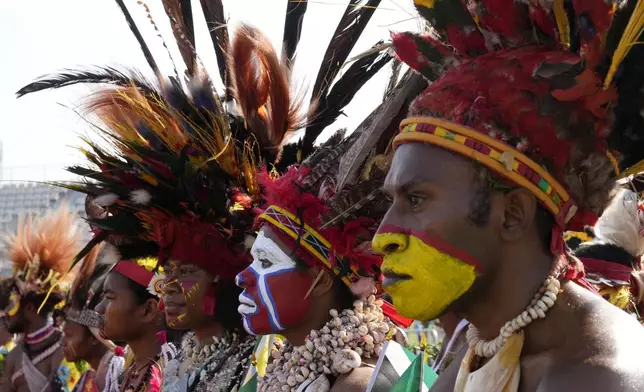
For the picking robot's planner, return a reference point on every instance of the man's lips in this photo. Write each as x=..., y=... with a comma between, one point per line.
x=246, y=305
x=173, y=308
x=391, y=278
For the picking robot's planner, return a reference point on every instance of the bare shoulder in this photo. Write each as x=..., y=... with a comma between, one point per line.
x=357, y=380
x=596, y=377
x=607, y=356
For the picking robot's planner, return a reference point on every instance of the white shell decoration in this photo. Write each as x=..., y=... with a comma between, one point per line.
x=336, y=348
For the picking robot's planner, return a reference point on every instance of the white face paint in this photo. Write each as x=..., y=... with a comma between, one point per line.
x=272, y=285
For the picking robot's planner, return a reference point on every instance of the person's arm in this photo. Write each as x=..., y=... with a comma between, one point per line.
x=9, y=369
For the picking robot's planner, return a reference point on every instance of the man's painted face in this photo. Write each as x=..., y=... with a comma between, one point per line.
x=14, y=314
x=78, y=341
x=184, y=292
x=431, y=247
x=274, y=296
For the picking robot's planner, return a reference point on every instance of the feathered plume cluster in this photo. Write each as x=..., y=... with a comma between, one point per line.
x=43, y=249
x=559, y=80
x=175, y=171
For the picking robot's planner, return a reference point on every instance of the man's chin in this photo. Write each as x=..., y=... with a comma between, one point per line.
x=415, y=306
x=15, y=330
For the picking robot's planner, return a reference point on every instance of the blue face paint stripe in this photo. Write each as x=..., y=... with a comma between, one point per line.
x=247, y=326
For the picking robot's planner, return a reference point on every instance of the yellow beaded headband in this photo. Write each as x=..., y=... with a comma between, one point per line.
x=494, y=154
x=310, y=240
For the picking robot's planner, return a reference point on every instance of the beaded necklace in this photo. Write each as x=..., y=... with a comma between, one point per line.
x=133, y=381
x=218, y=366
x=543, y=300
x=40, y=335
x=337, y=348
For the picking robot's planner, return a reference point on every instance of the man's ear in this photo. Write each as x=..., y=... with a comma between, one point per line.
x=150, y=310
x=322, y=281
x=519, y=214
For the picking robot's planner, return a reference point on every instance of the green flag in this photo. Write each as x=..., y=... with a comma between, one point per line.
x=251, y=385
x=402, y=367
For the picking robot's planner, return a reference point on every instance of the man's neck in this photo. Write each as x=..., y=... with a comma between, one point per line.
x=509, y=294
x=145, y=348
x=35, y=324
x=205, y=333
x=96, y=356
x=316, y=319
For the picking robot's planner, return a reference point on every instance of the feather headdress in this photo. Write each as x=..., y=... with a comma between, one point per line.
x=86, y=291
x=178, y=172
x=547, y=94
x=42, y=251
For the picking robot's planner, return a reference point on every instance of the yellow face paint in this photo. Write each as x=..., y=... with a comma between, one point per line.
x=437, y=278
x=14, y=304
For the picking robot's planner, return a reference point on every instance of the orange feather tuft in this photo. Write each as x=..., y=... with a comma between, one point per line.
x=262, y=89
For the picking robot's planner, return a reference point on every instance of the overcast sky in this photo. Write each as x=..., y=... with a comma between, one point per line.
x=42, y=36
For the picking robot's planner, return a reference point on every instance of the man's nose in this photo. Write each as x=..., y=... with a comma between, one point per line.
x=171, y=286
x=100, y=308
x=245, y=278
x=387, y=243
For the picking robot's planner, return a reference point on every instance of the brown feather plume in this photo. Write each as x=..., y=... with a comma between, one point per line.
x=262, y=89
x=180, y=14
x=53, y=238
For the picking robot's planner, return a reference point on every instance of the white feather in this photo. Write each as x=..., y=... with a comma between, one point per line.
x=620, y=223
x=140, y=196
x=106, y=200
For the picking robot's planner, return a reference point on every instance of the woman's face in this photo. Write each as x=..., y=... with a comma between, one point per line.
x=275, y=290
x=78, y=342
x=124, y=318
x=187, y=291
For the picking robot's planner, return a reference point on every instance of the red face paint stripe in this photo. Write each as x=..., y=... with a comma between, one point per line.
x=435, y=242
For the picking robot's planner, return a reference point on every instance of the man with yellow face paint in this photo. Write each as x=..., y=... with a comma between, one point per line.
x=508, y=147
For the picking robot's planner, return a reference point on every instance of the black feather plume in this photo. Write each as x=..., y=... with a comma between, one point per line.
x=353, y=22
x=343, y=91
x=139, y=37
x=213, y=11
x=293, y=23
x=69, y=77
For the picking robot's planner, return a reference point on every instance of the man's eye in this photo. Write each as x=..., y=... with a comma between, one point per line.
x=266, y=263
x=415, y=200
